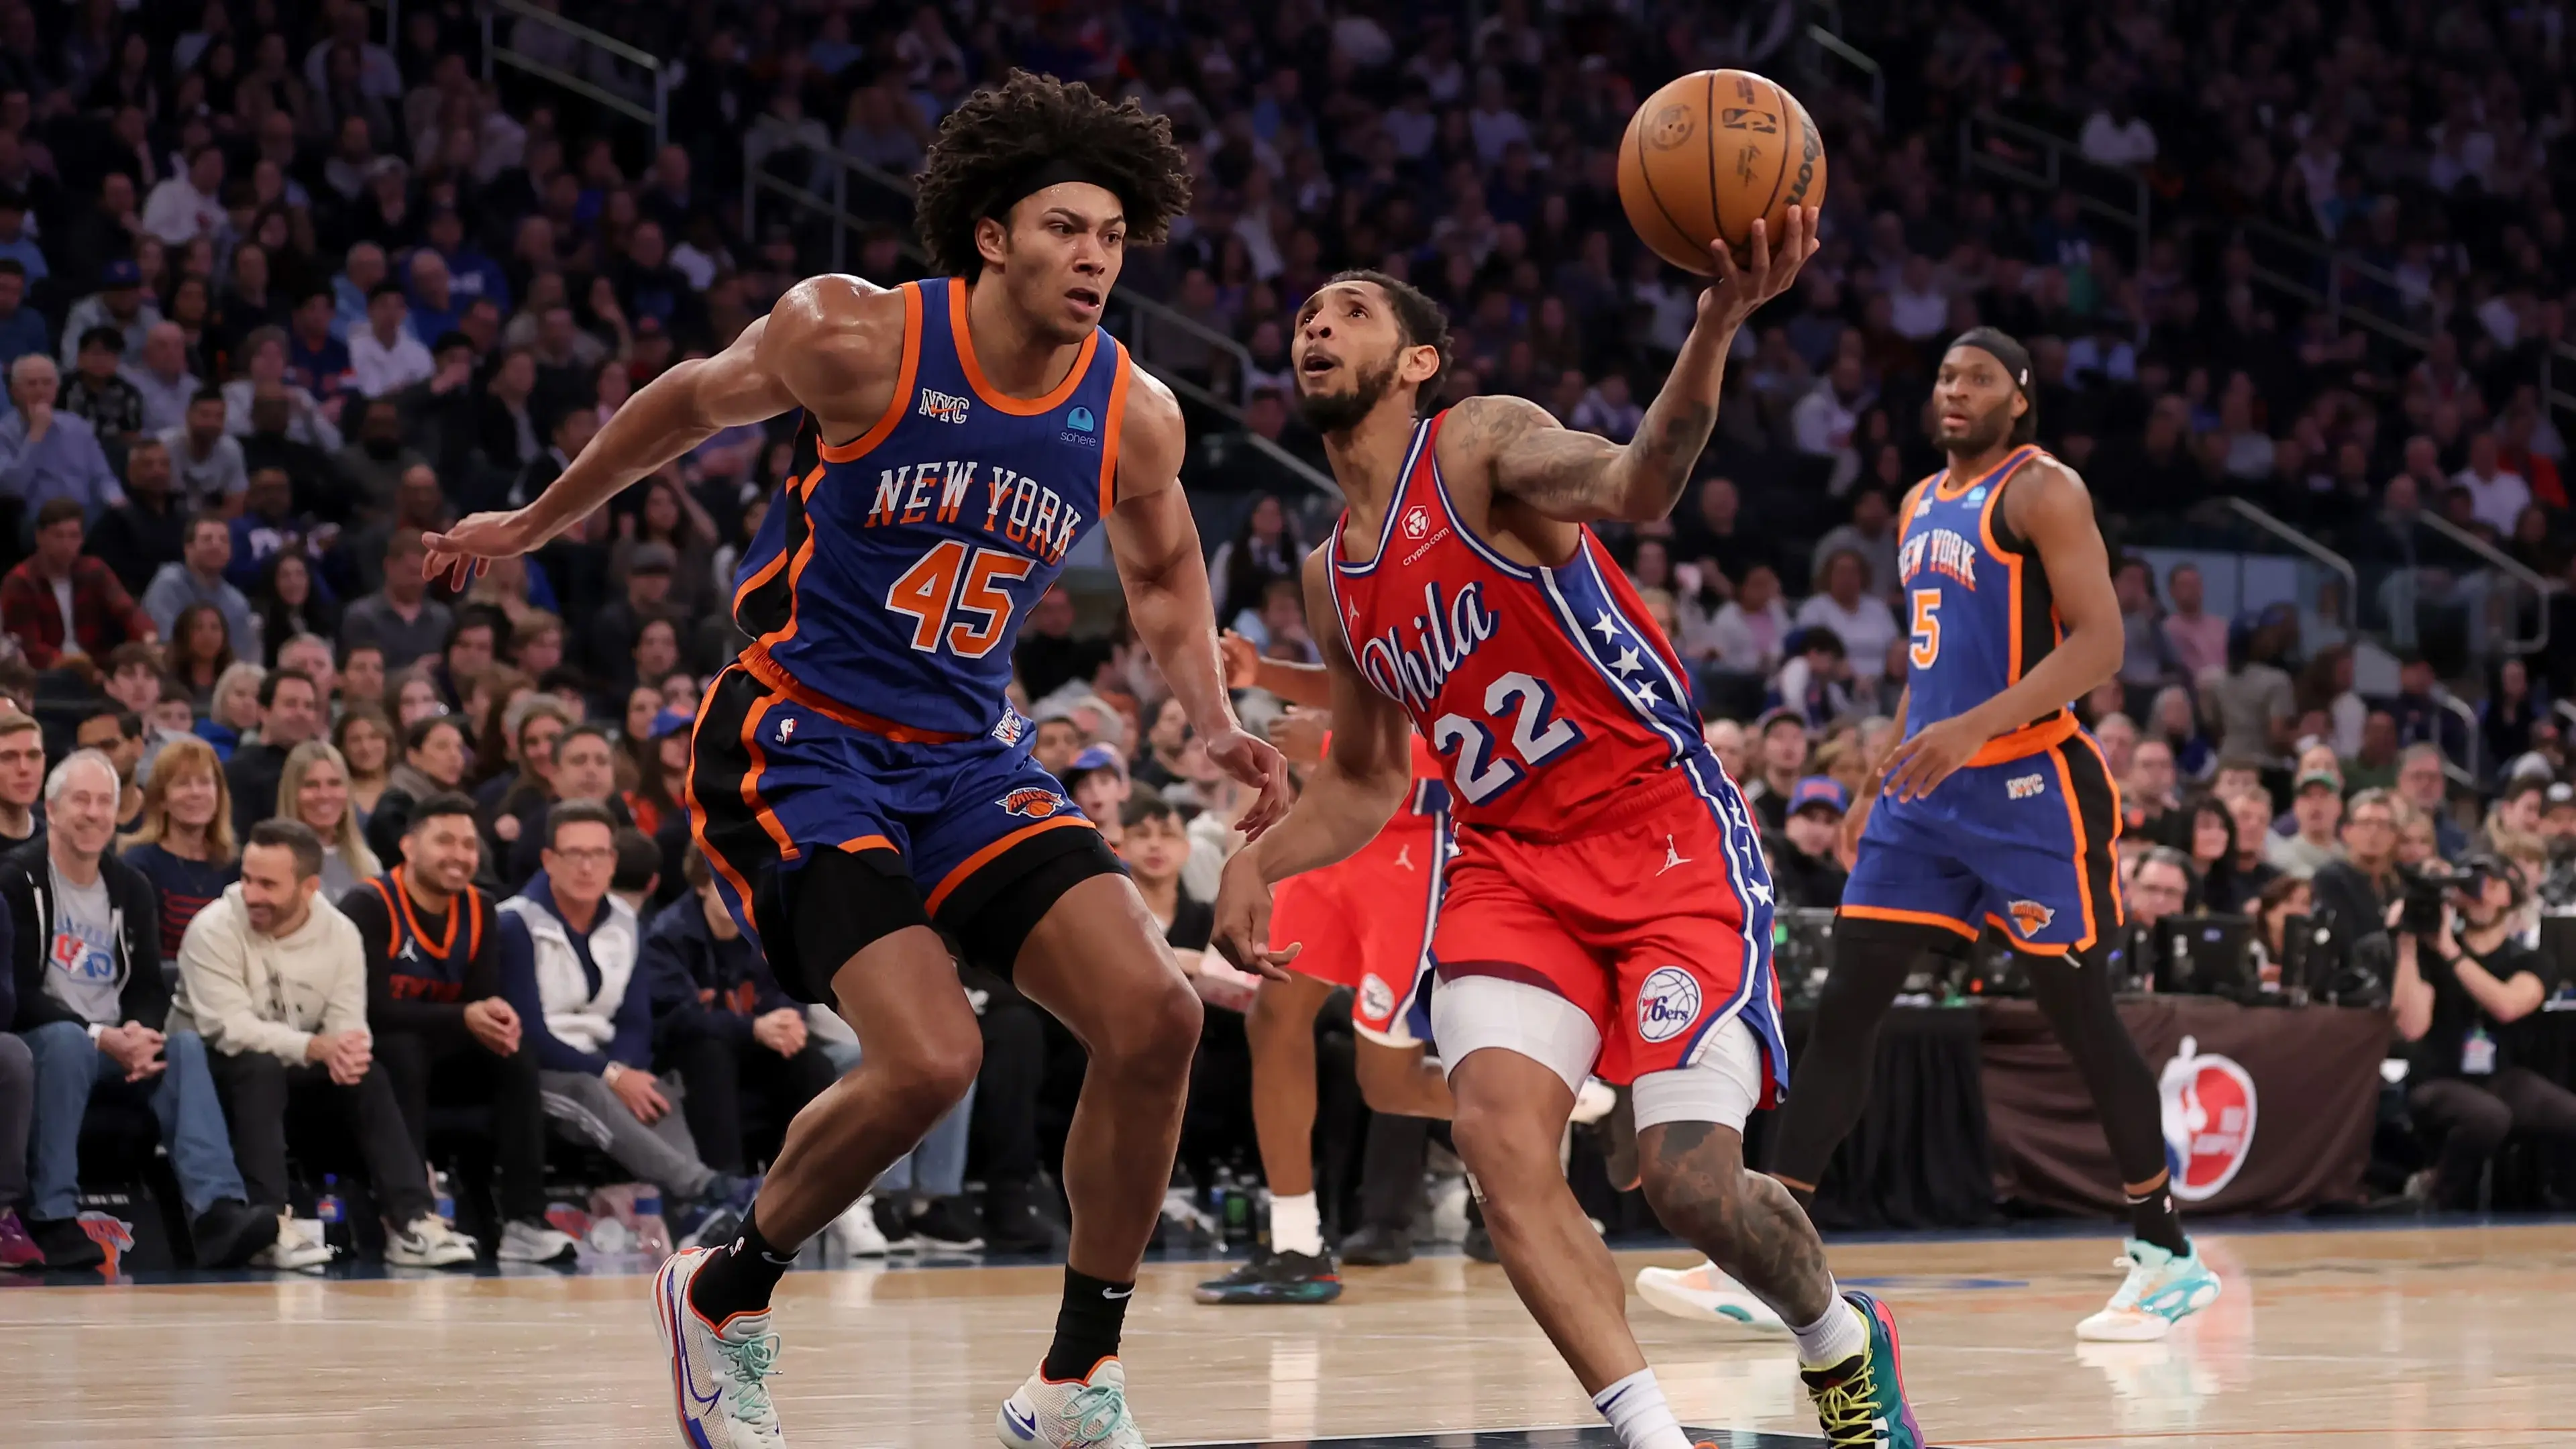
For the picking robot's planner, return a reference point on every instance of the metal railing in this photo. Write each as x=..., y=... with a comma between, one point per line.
x=2474, y=771
x=1136, y=320
x=1997, y=145
x=1827, y=43
x=600, y=51
x=2537, y=586
x=2267, y=522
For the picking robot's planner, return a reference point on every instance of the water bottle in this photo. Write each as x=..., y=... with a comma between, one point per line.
x=1238, y=1215
x=335, y=1219
x=444, y=1201
x=652, y=1235
x=1221, y=1191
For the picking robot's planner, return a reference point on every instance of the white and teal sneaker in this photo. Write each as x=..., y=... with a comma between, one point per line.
x=719, y=1375
x=1086, y=1414
x=1706, y=1294
x=2160, y=1291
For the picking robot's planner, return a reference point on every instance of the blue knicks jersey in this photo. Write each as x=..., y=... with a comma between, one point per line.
x=886, y=585
x=1976, y=600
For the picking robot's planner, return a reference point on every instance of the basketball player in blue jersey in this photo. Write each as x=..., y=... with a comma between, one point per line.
x=859, y=781
x=1997, y=809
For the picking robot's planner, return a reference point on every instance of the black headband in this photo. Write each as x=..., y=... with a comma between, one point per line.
x=1999, y=346
x=1039, y=175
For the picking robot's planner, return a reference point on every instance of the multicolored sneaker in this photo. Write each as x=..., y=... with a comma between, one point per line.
x=1090, y=1413
x=1277, y=1278
x=17, y=1249
x=1860, y=1402
x=1706, y=1294
x=2160, y=1291
x=719, y=1374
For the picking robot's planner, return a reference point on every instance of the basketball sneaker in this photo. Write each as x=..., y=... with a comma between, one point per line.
x=2160, y=1291
x=1086, y=1414
x=719, y=1375
x=299, y=1247
x=536, y=1242
x=855, y=1234
x=428, y=1242
x=1860, y=1402
x=1277, y=1278
x=1706, y=1294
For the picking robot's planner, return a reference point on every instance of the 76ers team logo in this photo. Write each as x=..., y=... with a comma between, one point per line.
x=1417, y=521
x=1667, y=1004
x=1034, y=803
x=2209, y=1112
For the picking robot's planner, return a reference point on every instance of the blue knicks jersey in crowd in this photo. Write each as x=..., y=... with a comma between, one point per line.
x=1977, y=601
x=889, y=577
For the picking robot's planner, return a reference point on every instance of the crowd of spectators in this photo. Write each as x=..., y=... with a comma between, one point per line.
x=280, y=291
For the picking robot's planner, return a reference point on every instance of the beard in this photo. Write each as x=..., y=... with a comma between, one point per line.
x=1982, y=435
x=1339, y=412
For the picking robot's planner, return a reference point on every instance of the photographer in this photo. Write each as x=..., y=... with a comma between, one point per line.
x=2458, y=986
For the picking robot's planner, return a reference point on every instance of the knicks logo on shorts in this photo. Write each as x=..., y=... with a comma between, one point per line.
x=1667, y=1004
x=1034, y=804
x=2030, y=917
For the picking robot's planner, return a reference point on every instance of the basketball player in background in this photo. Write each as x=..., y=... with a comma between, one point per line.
x=858, y=776
x=1367, y=923
x=1606, y=910
x=1996, y=808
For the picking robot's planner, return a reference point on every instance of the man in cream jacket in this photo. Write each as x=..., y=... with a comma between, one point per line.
x=274, y=978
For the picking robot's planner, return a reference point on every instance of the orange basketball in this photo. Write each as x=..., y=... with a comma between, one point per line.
x=1710, y=152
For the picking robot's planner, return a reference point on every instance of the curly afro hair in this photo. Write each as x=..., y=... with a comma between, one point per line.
x=1005, y=133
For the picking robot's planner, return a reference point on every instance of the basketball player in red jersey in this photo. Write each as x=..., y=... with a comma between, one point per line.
x=1365, y=923
x=1607, y=910
x=859, y=775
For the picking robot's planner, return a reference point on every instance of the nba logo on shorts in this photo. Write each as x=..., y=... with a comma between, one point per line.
x=1667, y=1004
x=2209, y=1115
x=1033, y=803
x=1417, y=521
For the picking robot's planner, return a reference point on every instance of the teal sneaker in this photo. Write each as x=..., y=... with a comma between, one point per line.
x=1860, y=1402
x=1277, y=1278
x=2160, y=1291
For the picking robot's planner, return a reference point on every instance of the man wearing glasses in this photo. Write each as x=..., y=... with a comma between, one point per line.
x=2356, y=890
x=568, y=957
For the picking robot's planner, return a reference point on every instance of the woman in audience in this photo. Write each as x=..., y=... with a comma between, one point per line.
x=201, y=649
x=1857, y=616
x=668, y=515
x=314, y=789
x=2325, y=686
x=1266, y=546
x=416, y=699
x=234, y=711
x=366, y=742
x=433, y=762
x=656, y=655
x=1158, y=757
x=2507, y=714
x=292, y=601
x=2213, y=855
x=512, y=804
x=635, y=727
x=2280, y=900
x=184, y=844
x=487, y=710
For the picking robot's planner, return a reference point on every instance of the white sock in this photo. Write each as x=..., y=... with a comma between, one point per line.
x=1831, y=1339
x=1296, y=1225
x=1638, y=1414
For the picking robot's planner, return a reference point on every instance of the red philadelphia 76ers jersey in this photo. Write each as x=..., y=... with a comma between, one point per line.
x=1545, y=691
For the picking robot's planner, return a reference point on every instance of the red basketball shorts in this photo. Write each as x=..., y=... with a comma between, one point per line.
x=1366, y=923
x=1651, y=917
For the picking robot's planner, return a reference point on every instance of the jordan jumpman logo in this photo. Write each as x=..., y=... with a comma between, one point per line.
x=1404, y=856
x=1672, y=855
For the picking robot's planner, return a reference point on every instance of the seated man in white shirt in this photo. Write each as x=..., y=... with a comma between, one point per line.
x=384, y=357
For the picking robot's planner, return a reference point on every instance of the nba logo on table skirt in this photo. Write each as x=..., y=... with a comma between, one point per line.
x=2209, y=1114
x=1033, y=803
x=1667, y=1004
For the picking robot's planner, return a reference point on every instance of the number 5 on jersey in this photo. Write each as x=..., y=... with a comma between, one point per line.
x=948, y=582
x=1925, y=646
x=1537, y=737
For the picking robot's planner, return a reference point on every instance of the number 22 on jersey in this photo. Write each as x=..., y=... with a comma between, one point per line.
x=952, y=582
x=1538, y=736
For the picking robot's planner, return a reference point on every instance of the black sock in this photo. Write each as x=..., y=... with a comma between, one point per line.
x=1087, y=1326
x=2152, y=1219
x=741, y=1275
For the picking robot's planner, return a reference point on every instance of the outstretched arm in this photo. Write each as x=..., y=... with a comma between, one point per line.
x=821, y=347
x=1347, y=801
x=2048, y=505
x=1578, y=477
x=1246, y=667
x=1156, y=543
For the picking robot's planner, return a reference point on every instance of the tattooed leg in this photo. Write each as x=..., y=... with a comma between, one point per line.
x=1747, y=1223
x=1511, y=1115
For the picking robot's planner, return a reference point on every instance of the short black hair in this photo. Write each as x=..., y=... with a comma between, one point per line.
x=444, y=803
x=107, y=337
x=59, y=510
x=1420, y=319
x=417, y=733
x=1146, y=804
x=129, y=725
x=591, y=729
x=639, y=861
x=295, y=836
x=275, y=677
x=386, y=289
x=576, y=812
x=207, y=395
x=1003, y=135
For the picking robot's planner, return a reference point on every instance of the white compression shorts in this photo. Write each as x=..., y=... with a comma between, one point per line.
x=1722, y=1083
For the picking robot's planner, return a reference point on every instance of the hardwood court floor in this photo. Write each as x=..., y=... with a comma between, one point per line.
x=2443, y=1338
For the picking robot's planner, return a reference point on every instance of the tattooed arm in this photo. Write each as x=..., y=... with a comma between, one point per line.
x=1578, y=477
